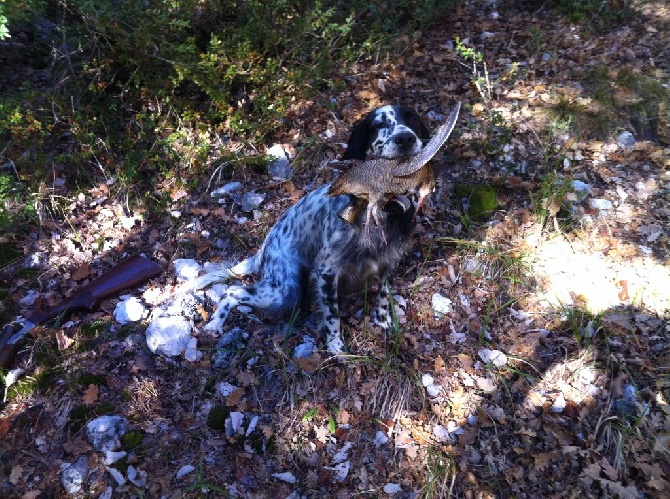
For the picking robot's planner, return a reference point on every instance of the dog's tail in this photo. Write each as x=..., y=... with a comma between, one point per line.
x=281, y=291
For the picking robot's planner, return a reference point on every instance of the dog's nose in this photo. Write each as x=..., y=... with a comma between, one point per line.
x=405, y=140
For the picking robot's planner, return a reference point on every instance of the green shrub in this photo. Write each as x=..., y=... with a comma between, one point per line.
x=140, y=88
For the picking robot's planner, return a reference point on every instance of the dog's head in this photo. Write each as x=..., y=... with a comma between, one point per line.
x=387, y=132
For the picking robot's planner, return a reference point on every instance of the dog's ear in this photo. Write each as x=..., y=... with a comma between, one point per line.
x=359, y=140
x=414, y=121
x=423, y=132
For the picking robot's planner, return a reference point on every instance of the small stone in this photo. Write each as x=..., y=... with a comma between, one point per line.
x=559, y=404
x=392, y=488
x=441, y=434
x=280, y=167
x=185, y=470
x=73, y=475
x=305, y=350
x=226, y=388
x=433, y=391
x=137, y=477
x=343, y=454
x=186, y=268
x=427, y=379
x=36, y=260
x=380, y=439
x=168, y=335
x=453, y=428
x=111, y=456
x=234, y=424
x=116, y=475
x=227, y=189
x=251, y=200
x=600, y=204
x=105, y=432
x=232, y=337
x=252, y=425
x=441, y=304
x=495, y=357
x=581, y=190
x=129, y=310
x=286, y=476
x=626, y=140
x=192, y=354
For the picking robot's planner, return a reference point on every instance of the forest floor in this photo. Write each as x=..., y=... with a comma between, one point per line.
x=547, y=375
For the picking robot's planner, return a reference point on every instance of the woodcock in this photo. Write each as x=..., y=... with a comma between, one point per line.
x=374, y=179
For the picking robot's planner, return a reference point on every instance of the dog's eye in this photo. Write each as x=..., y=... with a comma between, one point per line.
x=414, y=121
x=380, y=125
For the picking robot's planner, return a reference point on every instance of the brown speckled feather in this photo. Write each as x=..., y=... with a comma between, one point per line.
x=440, y=137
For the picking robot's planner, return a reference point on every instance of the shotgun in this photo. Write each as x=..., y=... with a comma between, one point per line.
x=128, y=274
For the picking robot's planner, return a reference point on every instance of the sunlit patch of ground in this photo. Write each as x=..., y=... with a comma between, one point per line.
x=572, y=273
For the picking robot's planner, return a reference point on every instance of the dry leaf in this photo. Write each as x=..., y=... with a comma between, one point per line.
x=235, y=397
x=662, y=443
x=618, y=490
x=543, y=460
x=91, y=394
x=609, y=470
x=466, y=362
x=309, y=364
x=495, y=412
x=82, y=272
x=15, y=475
x=77, y=446
x=4, y=426
x=139, y=364
x=63, y=340
x=343, y=416
x=322, y=433
x=438, y=366
x=623, y=293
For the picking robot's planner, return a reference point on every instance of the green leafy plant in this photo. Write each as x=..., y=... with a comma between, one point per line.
x=440, y=474
x=4, y=32
x=599, y=13
x=549, y=203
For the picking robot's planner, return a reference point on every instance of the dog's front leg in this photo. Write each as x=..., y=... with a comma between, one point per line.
x=232, y=297
x=381, y=313
x=326, y=281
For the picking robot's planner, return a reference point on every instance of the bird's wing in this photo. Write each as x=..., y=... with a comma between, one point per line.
x=415, y=163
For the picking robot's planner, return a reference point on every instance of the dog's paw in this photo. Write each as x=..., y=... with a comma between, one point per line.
x=214, y=326
x=335, y=345
x=382, y=319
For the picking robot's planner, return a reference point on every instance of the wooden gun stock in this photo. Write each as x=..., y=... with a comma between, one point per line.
x=128, y=274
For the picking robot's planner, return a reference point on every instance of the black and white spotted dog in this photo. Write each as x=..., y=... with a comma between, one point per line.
x=312, y=252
